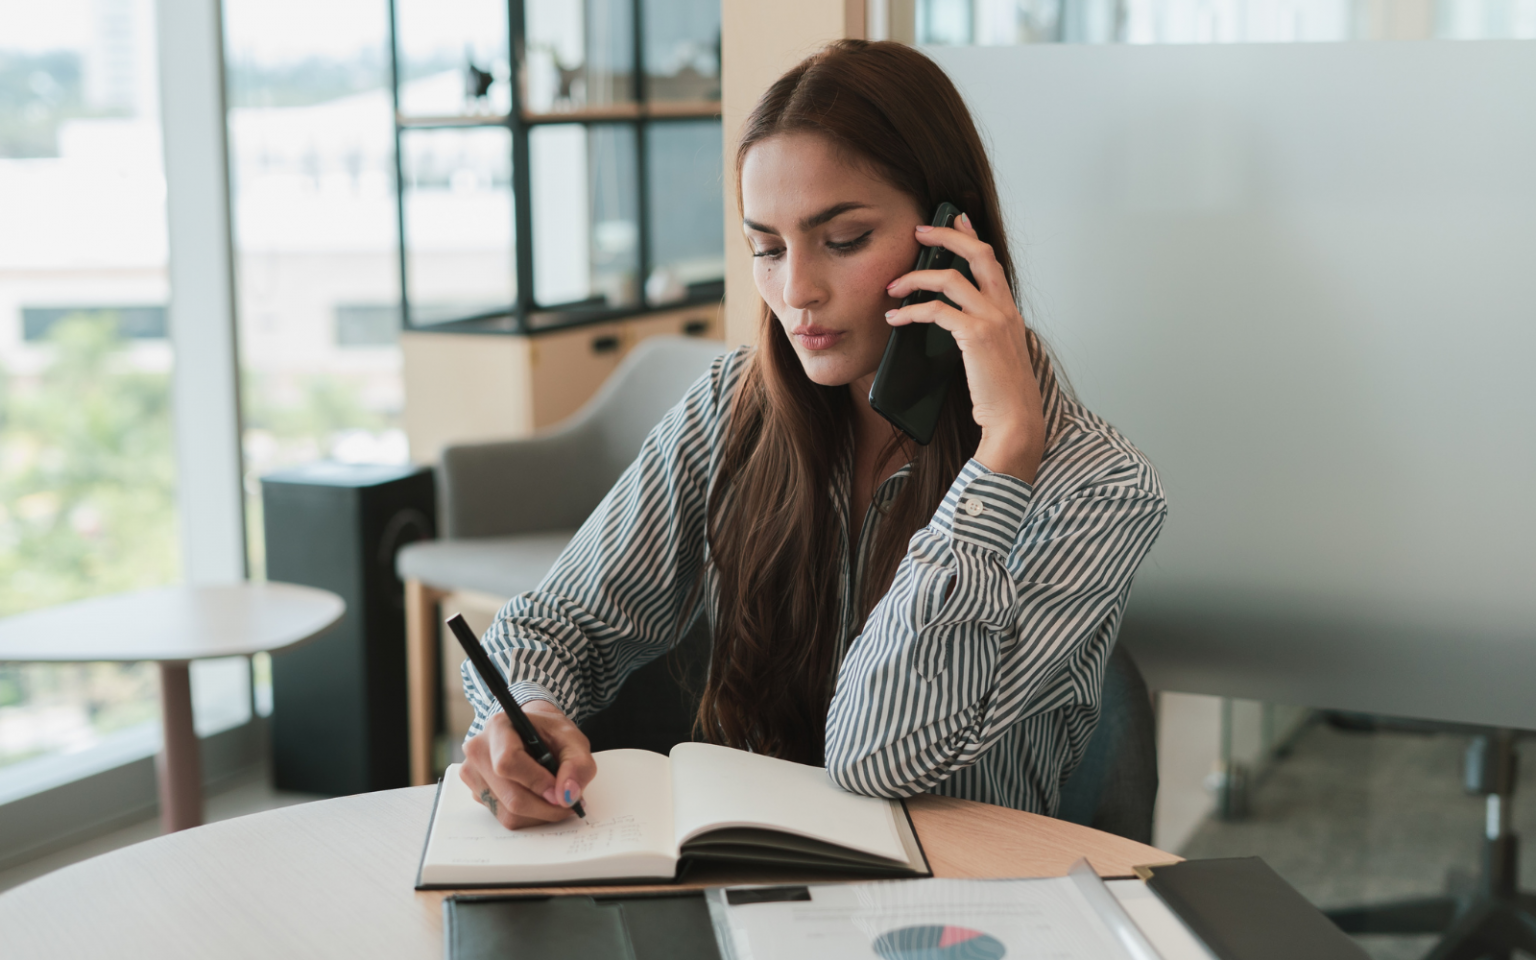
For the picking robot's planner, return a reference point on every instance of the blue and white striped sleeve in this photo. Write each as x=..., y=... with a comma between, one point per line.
x=983, y=622
x=618, y=595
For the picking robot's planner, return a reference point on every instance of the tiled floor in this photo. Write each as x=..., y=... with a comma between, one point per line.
x=250, y=793
x=1354, y=818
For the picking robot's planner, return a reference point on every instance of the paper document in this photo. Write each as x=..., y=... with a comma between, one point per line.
x=1045, y=919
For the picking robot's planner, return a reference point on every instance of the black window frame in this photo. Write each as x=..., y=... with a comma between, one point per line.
x=525, y=316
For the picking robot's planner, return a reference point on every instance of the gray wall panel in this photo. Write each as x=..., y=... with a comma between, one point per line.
x=1302, y=278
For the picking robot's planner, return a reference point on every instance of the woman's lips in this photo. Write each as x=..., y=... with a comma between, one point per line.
x=816, y=338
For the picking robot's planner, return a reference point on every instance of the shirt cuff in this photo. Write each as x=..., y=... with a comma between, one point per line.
x=525, y=690
x=985, y=509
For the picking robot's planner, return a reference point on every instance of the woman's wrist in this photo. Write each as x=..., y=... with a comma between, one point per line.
x=1016, y=454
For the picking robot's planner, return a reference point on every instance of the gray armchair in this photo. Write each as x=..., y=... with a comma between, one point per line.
x=507, y=509
x=1114, y=788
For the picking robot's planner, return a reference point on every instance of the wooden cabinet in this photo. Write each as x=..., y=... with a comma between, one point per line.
x=462, y=387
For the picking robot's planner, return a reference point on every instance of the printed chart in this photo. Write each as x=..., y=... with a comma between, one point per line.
x=935, y=942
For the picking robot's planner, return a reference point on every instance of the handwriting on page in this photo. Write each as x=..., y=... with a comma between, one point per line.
x=576, y=838
x=605, y=835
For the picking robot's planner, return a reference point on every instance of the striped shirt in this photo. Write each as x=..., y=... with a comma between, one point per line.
x=978, y=674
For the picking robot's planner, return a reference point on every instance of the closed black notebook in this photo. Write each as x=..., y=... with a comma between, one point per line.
x=1244, y=910
x=638, y=926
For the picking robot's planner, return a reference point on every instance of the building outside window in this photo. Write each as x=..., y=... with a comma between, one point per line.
x=312, y=169
x=87, y=467
x=1004, y=22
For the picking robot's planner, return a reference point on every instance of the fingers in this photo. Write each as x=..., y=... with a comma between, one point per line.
x=992, y=332
x=985, y=307
x=933, y=311
x=525, y=792
x=962, y=240
x=569, y=746
x=513, y=805
x=509, y=760
x=951, y=283
x=577, y=768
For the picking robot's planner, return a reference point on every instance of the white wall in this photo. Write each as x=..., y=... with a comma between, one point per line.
x=1300, y=277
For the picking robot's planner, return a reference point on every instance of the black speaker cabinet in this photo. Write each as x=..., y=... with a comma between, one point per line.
x=339, y=702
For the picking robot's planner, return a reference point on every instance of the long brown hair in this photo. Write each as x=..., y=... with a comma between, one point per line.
x=773, y=527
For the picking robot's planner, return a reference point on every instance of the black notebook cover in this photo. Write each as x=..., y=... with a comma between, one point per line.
x=668, y=926
x=1243, y=910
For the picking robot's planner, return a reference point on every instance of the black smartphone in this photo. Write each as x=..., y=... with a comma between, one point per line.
x=921, y=359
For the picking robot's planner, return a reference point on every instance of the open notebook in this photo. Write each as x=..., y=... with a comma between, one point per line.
x=647, y=814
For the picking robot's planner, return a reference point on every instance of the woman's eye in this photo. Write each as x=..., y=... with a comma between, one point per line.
x=848, y=246
x=770, y=253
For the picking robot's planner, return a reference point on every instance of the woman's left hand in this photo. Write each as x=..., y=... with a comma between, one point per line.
x=1005, y=396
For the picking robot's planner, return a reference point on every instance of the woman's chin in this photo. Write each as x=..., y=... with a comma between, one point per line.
x=829, y=371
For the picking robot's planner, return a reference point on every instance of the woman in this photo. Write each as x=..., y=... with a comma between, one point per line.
x=920, y=619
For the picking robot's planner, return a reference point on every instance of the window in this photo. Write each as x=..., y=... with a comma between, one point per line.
x=126, y=323
x=312, y=166
x=593, y=157
x=87, y=486
x=994, y=22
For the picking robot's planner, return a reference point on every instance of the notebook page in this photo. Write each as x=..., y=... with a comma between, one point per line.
x=715, y=786
x=627, y=832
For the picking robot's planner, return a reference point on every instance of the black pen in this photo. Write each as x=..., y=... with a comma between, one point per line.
x=492, y=678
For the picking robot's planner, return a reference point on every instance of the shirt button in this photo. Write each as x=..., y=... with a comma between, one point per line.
x=974, y=507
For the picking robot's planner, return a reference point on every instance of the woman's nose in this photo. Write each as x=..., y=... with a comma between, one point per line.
x=803, y=286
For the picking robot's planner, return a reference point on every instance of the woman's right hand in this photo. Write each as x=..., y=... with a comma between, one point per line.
x=511, y=784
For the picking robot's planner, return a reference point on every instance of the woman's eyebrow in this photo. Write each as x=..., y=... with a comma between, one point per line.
x=836, y=210
x=815, y=220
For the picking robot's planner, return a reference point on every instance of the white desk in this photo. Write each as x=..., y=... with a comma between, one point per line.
x=333, y=879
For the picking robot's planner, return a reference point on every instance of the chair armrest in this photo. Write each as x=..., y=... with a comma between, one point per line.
x=499, y=489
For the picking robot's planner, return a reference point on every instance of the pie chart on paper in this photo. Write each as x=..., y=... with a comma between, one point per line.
x=933, y=942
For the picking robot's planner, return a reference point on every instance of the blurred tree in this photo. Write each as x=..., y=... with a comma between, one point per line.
x=87, y=473
x=308, y=409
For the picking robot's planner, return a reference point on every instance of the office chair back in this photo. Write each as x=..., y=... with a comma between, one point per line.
x=553, y=480
x=638, y=394
x=1114, y=788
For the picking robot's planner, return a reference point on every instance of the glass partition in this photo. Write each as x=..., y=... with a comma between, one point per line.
x=581, y=55
x=609, y=166
x=456, y=191
x=1005, y=22
x=682, y=51
x=585, y=215
x=452, y=58
x=687, y=229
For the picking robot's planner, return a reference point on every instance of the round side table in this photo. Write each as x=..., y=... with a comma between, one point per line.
x=173, y=626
